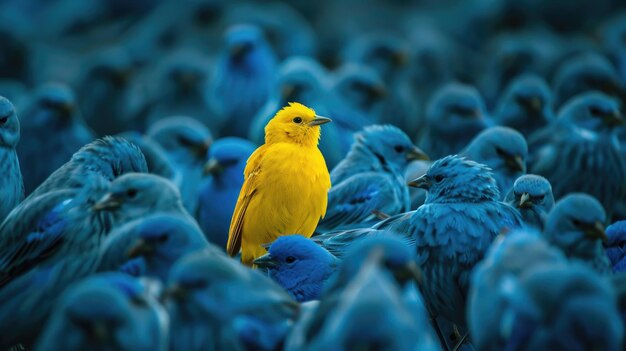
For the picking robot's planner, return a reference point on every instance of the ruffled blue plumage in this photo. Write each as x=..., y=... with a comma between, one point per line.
x=615, y=246
x=11, y=183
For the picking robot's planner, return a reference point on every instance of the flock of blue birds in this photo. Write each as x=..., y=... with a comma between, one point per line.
x=125, y=127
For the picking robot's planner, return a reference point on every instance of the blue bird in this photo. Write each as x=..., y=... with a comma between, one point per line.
x=532, y=196
x=585, y=72
x=576, y=226
x=612, y=35
x=11, y=183
x=361, y=87
x=525, y=105
x=219, y=190
x=186, y=142
x=243, y=79
x=615, y=246
x=299, y=265
x=454, y=116
x=526, y=296
x=156, y=157
x=109, y=157
x=370, y=179
x=208, y=312
x=108, y=311
x=453, y=229
x=580, y=145
x=55, y=130
x=149, y=246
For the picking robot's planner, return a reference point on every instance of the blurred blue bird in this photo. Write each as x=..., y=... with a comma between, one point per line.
x=219, y=190
x=526, y=296
x=612, y=36
x=108, y=311
x=370, y=179
x=243, y=79
x=55, y=130
x=149, y=246
x=454, y=116
x=156, y=157
x=502, y=149
x=361, y=87
x=11, y=184
x=615, y=245
x=580, y=145
x=299, y=265
x=576, y=226
x=532, y=196
x=453, y=229
x=109, y=158
x=186, y=142
x=208, y=311
x=526, y=104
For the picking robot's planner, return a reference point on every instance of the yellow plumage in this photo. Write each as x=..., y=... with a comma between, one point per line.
x=286, y=184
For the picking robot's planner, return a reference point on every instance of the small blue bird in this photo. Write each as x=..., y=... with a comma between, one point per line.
x=361, y=87
x=615, y=246
x=108, y=311
x=454, y=116
x=11, y=184
x=580, y=145
x=525, y=105
x=219, y=190
x=243, y=79
x=453, y=229
x=157, y=159
x=55, y=130
x=576, y=226
x=299, y=265
x=208, y=313
x=149, y=246
x=504, y=150
x=532, y=196
x=370, y=179
x=186, y=142
x=612, y=35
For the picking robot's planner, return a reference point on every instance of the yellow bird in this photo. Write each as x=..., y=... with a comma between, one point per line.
x=286, y=184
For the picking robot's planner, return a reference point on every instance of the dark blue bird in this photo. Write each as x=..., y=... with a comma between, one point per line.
x=361, y=87
x=579, y=146
x=299, y=265
x=532, y=196
x=11, y=182
x=615, y=245
x=219, y=190
x=55, y=130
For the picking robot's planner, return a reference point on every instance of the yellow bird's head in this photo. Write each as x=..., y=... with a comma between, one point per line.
x=295, y=123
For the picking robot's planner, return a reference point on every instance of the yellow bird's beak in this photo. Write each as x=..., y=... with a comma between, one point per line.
x=318, y=120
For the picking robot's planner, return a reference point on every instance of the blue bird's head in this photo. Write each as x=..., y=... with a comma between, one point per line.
x=9, y=124
x=455, y=179
x=591, y=113
x=360, y=86
x=228, y=156
x=387, y=54
x=184, y=138
x=456, y=109
x=53, y=105
x=301, y=79
x=616, y=242
x=186, y=70
x=576, y=224
x=526, y=104
x=245, y=44
x=113, y=68
x=531, y=191
x=299, y=265
x=501, y=148
x=112, y=157
x=387, y=145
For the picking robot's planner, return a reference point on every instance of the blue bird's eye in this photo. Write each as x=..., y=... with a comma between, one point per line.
x=399, y=148
x=290, y=259
x=297, y=120
x=3, y=120
x=131, y=193
x=438, y=178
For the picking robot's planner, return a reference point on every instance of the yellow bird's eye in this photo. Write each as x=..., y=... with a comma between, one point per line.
x=297, y=120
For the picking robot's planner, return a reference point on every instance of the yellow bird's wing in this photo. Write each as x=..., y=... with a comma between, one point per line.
x=253, y=168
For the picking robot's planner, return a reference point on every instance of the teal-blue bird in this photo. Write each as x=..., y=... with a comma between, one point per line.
x=502, y=149
x=370, y=179
x=580, y=145
x=532, y=196
x=219, y=190
x=156, y=157
x=108, y=311
x=525, y=105
x=361, y=87
x=55, y=130
x=576, y=226
x=11, y=184
x=243, y=79
x=453, y=229
x=299, y=265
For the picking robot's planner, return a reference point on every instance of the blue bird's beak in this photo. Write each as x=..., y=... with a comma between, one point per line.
x=596, y=232
x=524, y=201
x=107, y=202
x=416, y=154
x=318, y=120
x=265, y=261
x=140, y=248
x=212, y=167
x=422, y=182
